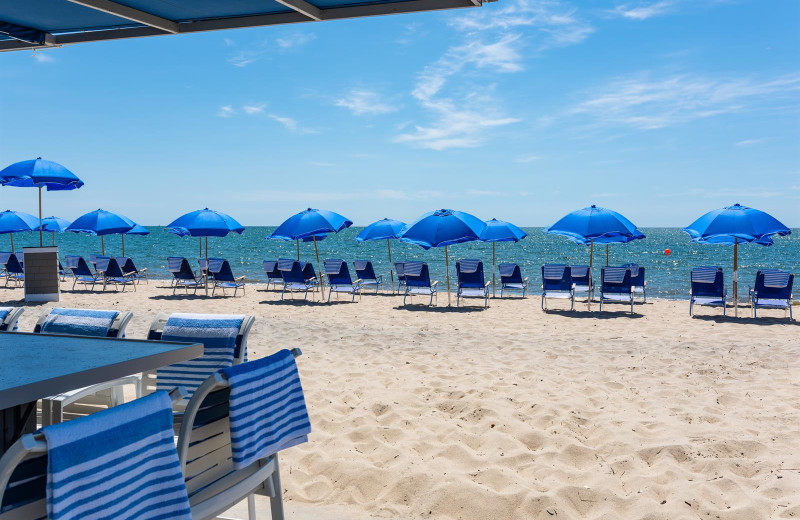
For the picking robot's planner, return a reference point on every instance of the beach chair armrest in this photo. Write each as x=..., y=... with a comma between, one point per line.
x=487, y=284
x=525, y=279
x=238, y=278
x=435, y=283
x=357, y=281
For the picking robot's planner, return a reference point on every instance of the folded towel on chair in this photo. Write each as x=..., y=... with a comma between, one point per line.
x=79, y=322
x=217, y=333
x=118, y=464
x=267, y=408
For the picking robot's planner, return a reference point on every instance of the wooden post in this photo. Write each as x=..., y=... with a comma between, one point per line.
x=736, y=277
x=447, y=266
x=494, y=268
x=41, y=243
x=319, y=269
x=122, y=235
x=606, y=255
x=53, y=237
x=102, y=246
x=591, y=259
x=298, y=250
x=391, y=265
x=11, y=235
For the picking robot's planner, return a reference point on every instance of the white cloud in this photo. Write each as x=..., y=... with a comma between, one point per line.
x=527, y=158
x=411, y=33
x=365, y=102
x=320, y=164
x=750, y=142
x=254, y=109
x=643, y=10
x=292, y=125
x=646, y=102
x=226, y=111
x=294, y=40
x=260, y=49
x=42, y=57
x=742, y=193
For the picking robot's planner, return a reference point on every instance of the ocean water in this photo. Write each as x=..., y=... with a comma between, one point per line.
x=667, y=275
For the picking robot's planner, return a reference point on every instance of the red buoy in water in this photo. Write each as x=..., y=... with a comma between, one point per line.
x=667, y=252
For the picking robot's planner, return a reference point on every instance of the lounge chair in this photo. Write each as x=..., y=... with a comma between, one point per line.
x=273, y=273
x=339, y=280
x=81, y=273
x=615, y=286
x=557, y=283
x=418, y=281
x=637, y=279
x=708, y=288
x=15, y=273
x=116, y=451
x=366, y=273
x=222, y=461
x=511, y=279
x=4, y=256
x=127, y=265
x=582, y=278
x=223, y=277
x=773, y=290
x=9, y=317
x=183, y=276
x=85, y=322
x=113, y=274
x=471, y=282
x=401, y=275
x=296, y=277
x=62, y=274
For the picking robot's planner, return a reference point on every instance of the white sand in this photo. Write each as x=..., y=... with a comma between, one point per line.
x=514, y=413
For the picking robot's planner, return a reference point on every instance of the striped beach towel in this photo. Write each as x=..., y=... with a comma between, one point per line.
x=79, y=322
x=118, y=464
x=267, y=408
x=217, y=333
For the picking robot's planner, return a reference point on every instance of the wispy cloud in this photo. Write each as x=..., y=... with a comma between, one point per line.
x=365, y=102
x=750, y=142
x=527, y=158
x=294, y=40
x=226, y=111
x=292, y=125
x=643, y=10
x=252, y=110
x=412, y=32
x=245, y=55
x=740, y=194
x=42, y=57
x=645, y=101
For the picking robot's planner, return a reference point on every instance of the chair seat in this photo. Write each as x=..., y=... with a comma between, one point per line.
x=708, y=300
x=229, y=284
x=343, y=288
x=420, y=290
x=638, y=288
x=514, y=285
x=771, y=303
x=473, y=291
x=298, y=285
x=618, y=297
x=557, y=294
x=582, y=288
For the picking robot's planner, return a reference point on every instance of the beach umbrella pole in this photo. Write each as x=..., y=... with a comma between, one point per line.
x=319, y=268
x=606, y=255
x=122, y=235
x=591, y=258
x=53, y=239
x=447, y=268
x=11, y=236
x=494, y=267
x=102, y=246
x=41, y=243
x=206, y=275
x=298, y=249
x=736, y=277
x=391, y=273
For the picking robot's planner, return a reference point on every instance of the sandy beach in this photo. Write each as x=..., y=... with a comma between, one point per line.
x=511, y=412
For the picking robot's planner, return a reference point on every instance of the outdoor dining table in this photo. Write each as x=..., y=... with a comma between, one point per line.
x=34, y=366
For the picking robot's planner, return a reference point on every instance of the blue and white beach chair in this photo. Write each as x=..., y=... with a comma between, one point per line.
x=708, y=288
x=296, y=277
x=119, y=463
x=339, y=280
x=399, y=270
x=4, y=256
x=9, y=317
x=112, y=273
x=223, y=277
x=15, y=273
x=638, y=282
x=471, y=283
x=127, y=266
x=557, y=283
x=511, y=279
x=273, y=273
x=182, y=273
x=418, y=281
x=773, y=290
x=228, y=447
x=582, y=280
x=366, y=273
x=615, y=286
x=81, y=273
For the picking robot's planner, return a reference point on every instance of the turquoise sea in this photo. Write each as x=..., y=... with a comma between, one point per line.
x=667, y=275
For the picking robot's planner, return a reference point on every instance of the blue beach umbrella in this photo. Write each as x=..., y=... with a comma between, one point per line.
x=39, y=173
x=595, y=225
x=204, y=223
x=53, y=225
x=443, y=228
x=311, y=223
x=500, y=231
x=100, y=223
x=732, y=225
x=15, y=222
x=384, y=229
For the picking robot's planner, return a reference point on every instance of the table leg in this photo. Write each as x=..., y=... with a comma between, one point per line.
x=15, y=422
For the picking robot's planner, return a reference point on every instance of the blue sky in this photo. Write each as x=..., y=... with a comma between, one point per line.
x=521, y=110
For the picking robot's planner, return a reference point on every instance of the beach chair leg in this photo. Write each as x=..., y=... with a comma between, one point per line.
x=690, y=308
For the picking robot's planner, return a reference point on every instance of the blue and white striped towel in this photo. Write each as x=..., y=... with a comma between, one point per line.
x=267, y=408
x=118, y=464
x=217, y=333
x=79, y=322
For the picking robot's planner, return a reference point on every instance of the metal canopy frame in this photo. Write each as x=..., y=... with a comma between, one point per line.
x=151, y=25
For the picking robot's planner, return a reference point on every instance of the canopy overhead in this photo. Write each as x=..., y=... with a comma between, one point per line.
x=47, y=23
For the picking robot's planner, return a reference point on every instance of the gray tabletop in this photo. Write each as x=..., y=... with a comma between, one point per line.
x=33, y=366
